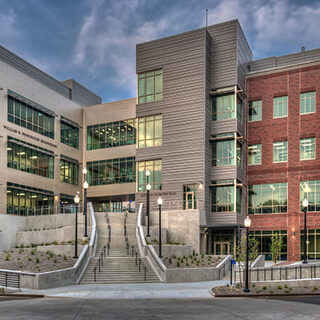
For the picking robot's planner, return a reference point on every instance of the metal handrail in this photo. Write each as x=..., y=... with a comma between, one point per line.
x=10, y=279
x=139, y=262
x=125, y=232
x=99, y=263
x=109, y=232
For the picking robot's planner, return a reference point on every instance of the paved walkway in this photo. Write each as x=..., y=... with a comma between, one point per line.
x=133, y=291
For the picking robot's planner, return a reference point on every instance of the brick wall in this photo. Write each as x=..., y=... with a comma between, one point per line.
x=291, y=128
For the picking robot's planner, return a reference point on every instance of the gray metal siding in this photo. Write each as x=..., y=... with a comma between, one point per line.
x=182, y=59
x=286, y=60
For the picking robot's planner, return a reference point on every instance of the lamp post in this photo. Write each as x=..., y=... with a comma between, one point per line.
x=76, y=201
x=85, y=189
x=148, y=201
x=247, y=224
x=160, y=201
x=305, y=208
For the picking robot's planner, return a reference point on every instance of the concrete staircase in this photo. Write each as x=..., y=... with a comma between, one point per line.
x=118, y=266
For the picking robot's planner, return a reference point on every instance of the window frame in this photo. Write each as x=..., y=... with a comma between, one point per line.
x=273, y=148
x=250, y=107
x=312, y=98
x=277, y=104
x=260, y=150
x=315, y=148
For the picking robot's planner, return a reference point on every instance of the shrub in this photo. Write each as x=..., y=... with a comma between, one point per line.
x=33, y=251
x=174, y=257
x=198, y=262
x=253, y=285
x=37, y=259
x=264, y=288
x=209, y=257
x=18, y=259
x=33, y=245
x=8, y=257
x=202, y=255
x=22, y=246
x=20, y=251
x=315, y=289
x=286, y=286
x=170, y=260
x=271, y=291
x=29, y=259
x=279, y=287
x=183, y=243
x=55, y=242
x=55, y=260
x=65, y=257
x=193, y=252
x=187, y=264
x=178, y=264
x=287, y=291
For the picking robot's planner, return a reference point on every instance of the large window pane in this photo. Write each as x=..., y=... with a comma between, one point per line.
x=223, y=107
x=307, y=149
x=308, y=102
x=155, y=179
x=69, y=134
x=255, y=110
x=280, y=107
x=280, y=151
x=69, y=172
x=254, y=154
x=150, y=131
x=150, y=86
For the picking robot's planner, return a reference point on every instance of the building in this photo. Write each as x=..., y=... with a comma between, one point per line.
x=220, y=133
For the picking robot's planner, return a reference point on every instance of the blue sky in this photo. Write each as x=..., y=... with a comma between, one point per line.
x=93, y=41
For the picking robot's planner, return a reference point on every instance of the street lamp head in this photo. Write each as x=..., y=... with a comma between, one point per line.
x=77, y=198
x=305, y=203
x=85, y=185
x=200, y=186
x=160, y=201
x=148, y=186
x=84, y=170
x=148, y=173
x=247, y=222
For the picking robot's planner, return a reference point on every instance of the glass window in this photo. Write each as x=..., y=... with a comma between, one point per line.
x=255, y=110
x=223, y=107
x=222, y=198
x=113, y=134
x=69, y=172
x=313, y=244
x=30, y=158
x=307, y=102
x=155, y=168
x=112, y=171
x=223, y=153
x=150, y=131
x=264, y=239
x=69, y=135
x=307, y=148
x=267, y=198
x=280, y=107
x=24, y=200
x=30, y=117
x=150, y=86
x=254, y=154
x=280, y=151
x=310, y=190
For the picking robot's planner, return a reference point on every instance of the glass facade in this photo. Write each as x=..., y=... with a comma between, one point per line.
x=150, y=86
x=280, y=107
x=29, y=158
x=113, y=134
x=223, y=107
x=155, y=179
x=307, y=149
x=264, y=239
x=69, y=134
x=69, y=171
x=307, y=102
x=268, y=198
x=254, y=154
x=150, y=131
x=23, y=200
x=280, y=151
x=255, y=110
x=222, y=197
x=30, y=117
x=111, y=171
x=310, y=190
x=313, y=244
x=190, y=197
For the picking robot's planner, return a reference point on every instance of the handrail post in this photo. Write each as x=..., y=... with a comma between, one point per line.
x=6, y=279
x=139, y=264
x=145, y=273
x=136, y=258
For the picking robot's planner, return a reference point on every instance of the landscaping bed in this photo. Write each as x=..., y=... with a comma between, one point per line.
x=31, y=260
x=194, y=260
x=264, y=290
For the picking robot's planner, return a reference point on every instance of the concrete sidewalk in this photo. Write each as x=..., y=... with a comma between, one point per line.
x=132, y=291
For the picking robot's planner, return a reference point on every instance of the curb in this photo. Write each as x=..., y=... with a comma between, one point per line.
x=212, y=293
x=263, y=295
x=17, y=295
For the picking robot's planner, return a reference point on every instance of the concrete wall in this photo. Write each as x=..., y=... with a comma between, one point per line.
x=9, y=226
x=169, y=250
x=66, y=249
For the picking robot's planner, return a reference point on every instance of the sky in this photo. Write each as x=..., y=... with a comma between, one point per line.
x=93, y=41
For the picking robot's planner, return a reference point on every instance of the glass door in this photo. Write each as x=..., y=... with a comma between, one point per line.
x=189, y=200
x=222, y=248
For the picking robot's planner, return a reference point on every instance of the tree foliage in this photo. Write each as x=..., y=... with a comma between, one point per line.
x=275, y=248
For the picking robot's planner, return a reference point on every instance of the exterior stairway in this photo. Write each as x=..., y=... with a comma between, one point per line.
x=119, y=266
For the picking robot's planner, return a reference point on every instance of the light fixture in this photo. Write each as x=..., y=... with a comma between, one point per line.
x=148, y=173
x=305, y=203
x=201, y=186
x=149, y=186
x=160, y=201
x=86, y=185
x=77, y=198
x=84, y=170
x=247, y=222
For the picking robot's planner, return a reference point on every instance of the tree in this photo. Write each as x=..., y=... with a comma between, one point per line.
x=241, y=254
x=276, y=245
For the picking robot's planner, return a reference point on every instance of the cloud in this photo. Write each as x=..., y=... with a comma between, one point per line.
x=9, y=33
x=109, y=34
x=273, y=26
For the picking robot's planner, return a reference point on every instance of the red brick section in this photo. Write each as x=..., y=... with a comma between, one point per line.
x=291, y=128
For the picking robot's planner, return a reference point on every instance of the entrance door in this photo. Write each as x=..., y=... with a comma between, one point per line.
x=222, y=248
x=189, y=200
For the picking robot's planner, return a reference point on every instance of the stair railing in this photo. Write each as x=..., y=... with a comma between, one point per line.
x=139, y=263
x=125, y=233
x=109, y=232
x=99, y=263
